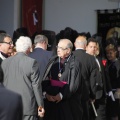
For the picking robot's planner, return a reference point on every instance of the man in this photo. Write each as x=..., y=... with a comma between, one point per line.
x=6, y=46
x=62, y=85
x=89, y=72
x=40, y=53
x=10, y=103
x=21, y=74
x=100, y=102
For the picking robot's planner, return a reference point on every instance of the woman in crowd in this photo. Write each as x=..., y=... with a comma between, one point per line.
x=113, y=69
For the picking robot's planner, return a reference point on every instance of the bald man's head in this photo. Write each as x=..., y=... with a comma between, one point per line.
x=80, y=42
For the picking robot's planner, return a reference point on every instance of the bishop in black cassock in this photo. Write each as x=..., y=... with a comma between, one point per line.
x=64, y=81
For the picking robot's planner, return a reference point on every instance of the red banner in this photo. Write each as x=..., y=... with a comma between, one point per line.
x=32, y=15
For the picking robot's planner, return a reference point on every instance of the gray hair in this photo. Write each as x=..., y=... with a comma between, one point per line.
x=69, y=44
x=3, y=36
x=40, y=38
x=23, y=43
x=81, y=42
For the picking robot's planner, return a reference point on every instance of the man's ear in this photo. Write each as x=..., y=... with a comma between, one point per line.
x=43, y=42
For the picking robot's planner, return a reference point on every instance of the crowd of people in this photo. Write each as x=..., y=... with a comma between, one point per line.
x=73, y=82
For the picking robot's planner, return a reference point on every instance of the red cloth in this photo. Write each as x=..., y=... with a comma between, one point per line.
x=104, y=62
x=32, y=11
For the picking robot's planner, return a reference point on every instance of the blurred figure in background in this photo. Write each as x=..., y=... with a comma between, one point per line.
x=113, y=69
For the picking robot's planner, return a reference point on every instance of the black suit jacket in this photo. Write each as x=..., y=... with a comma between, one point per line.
x=89, y=72
x=103, y=82
x=10, y=105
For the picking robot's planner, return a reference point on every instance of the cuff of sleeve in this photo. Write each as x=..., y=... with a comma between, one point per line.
x=44, y=93
x=61, y=96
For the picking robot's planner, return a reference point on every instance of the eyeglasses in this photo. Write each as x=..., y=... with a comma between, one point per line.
x=61, y=48
x=10, y=43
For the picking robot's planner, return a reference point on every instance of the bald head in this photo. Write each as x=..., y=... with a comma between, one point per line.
x=80, y=42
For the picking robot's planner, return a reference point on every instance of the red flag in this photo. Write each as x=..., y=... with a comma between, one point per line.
x=32, y=15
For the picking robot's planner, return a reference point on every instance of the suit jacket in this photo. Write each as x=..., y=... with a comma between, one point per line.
x=10, y=105
x=21, y=74
x=42, y=57
x=102, y=79
x=89, y=73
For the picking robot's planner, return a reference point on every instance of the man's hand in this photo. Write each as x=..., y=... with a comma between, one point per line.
x=50, y=98
x=41, y=111
x=57, y=98
x=92, y=100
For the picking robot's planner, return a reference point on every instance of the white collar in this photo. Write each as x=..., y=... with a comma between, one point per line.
x=2, y=57
x=79, y=49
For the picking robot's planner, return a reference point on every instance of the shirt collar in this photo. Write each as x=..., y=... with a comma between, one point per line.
x=2, y=56
x=79, y=49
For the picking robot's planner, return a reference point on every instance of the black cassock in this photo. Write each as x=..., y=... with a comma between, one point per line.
x=69, y=108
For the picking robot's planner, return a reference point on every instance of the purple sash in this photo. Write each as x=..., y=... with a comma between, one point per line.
x=58, y=83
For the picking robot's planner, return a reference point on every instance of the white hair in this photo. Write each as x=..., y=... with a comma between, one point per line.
x=23, y=43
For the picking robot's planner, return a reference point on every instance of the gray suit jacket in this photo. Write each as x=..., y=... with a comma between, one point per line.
x=21, y=74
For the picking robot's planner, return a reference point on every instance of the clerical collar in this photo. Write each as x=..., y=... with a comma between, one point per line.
x=5, y=55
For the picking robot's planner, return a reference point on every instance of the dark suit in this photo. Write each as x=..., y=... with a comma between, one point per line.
x=89, y=70
x=42, y=57
x=101, y=90
x=101, y=80
x=10, y=105
x=21, y=74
